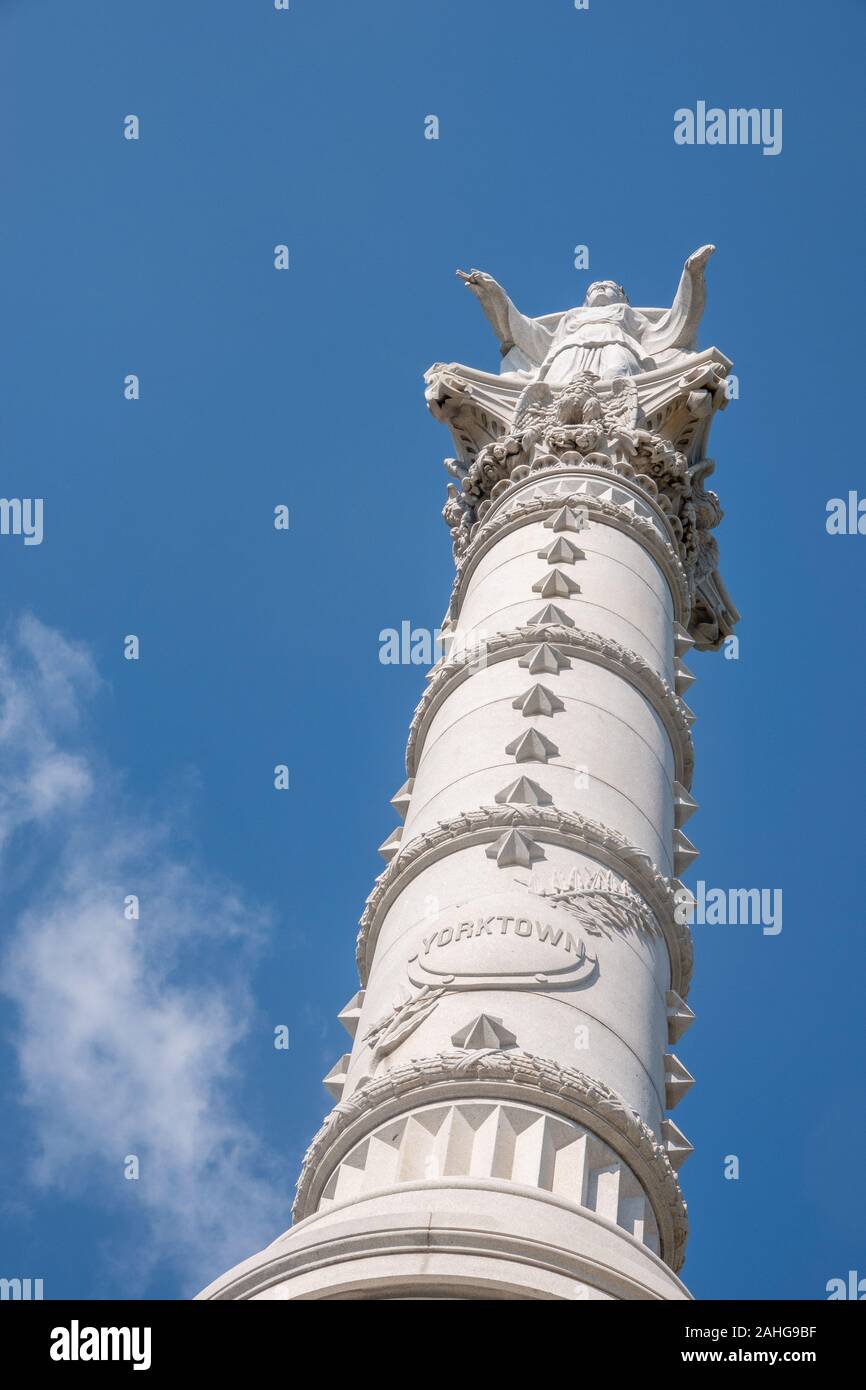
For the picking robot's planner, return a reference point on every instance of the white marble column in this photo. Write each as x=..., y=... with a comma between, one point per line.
x=503, y=1121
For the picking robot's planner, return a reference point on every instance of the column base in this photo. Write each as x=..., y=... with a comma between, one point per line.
x=454, y=1239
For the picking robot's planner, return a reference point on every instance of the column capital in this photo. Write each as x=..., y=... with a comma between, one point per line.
x=651, y=428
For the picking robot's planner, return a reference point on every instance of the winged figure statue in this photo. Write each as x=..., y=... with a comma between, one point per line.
x=605, y=336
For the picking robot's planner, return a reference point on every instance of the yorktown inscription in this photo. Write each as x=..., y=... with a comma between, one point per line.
x=509, y=949
x=490, y=926
x=501, y=950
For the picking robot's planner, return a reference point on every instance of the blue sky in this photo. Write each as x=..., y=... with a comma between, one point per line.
x=259, y=647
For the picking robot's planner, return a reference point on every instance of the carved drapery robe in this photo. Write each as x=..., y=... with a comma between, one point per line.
x=606, y=340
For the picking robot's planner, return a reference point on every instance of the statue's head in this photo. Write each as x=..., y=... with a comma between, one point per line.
x=605, y=292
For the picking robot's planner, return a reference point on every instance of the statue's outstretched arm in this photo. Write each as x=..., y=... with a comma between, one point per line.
x=679, y=326
x=512, y=328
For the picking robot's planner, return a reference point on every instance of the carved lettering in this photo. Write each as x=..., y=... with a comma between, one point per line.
x=520, y=926
x=546, y=933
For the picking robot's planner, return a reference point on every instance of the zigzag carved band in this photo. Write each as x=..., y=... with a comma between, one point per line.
x=511, y=1075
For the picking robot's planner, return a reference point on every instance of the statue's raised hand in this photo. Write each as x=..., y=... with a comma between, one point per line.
x=493, y=300
x=698, y=259
x=479, y=282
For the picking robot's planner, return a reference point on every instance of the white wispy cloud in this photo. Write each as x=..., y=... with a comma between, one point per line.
x=43, y=681
x=124, y=1031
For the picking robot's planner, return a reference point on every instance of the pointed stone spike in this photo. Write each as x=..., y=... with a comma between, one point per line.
x=400, y=800
x=689, y=714
x=565, y=520
x=677, y=1080
x=351, y=1013
x=545, y=658
x=676, y=1144
x=390, y=847
x=514, y=849
x=683, y=677
x=532, y=747
x=682, y=640
x=538, y=700
x=684, y=852
x=551, y=616
x=524, y=792
x=561, y=552
x=486, y=1030
x=684, y=805
x=555, y=584
x=336, y=1078
x=680, y=1016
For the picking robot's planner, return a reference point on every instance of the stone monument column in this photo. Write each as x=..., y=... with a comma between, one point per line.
x=502, y=1127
